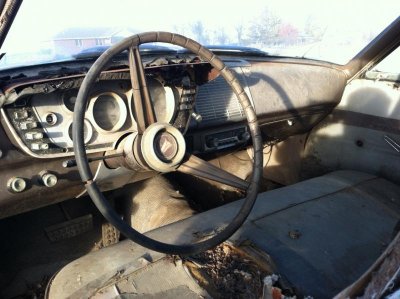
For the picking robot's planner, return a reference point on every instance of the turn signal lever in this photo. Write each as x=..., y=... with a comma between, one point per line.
x=72, y=162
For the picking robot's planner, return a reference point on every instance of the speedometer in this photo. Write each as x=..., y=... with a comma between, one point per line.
x=87, y=131
x=109, y=112
x=163, y=99
x=69, y=99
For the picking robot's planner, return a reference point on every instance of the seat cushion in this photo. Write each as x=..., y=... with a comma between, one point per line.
x=322, y=234
x=330, y=230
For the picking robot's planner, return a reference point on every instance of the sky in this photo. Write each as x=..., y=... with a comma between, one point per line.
x=40, y=20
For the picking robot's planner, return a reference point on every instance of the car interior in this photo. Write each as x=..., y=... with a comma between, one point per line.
x=137, y=171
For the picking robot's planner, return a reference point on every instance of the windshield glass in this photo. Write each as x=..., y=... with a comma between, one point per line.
x=48, y=30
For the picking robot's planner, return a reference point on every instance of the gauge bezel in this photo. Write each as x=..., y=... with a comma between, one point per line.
x=68, y=94
x=88, y=137
x=123, y=110
x=170, y=99
x=171, y=105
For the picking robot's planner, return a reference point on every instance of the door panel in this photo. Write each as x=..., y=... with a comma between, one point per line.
x=352, y=137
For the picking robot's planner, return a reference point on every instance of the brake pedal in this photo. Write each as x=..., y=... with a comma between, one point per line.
x=109, y=234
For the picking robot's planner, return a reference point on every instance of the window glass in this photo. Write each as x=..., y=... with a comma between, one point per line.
x=390, y=64
x=335, y=31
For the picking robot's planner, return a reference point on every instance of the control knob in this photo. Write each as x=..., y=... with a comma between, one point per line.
x=16, y=185
x=245, y=136
x=48, y=179
x=212, y=142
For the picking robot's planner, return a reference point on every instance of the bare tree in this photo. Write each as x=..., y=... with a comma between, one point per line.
x=220, y=37
x=264, y=29
x=200, y=33
x=312, y=30
x=239, y=30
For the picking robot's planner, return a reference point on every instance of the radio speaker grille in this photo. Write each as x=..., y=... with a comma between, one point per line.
x=216, y=102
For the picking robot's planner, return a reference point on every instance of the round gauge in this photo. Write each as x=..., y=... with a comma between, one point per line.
x=109, y=112
x=87, y=131
x=69, y=99
x=163, y=99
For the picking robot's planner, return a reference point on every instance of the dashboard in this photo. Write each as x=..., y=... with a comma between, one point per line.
x=41, y=123
x=289, y=97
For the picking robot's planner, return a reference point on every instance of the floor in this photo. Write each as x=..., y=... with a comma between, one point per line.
x=29, y=257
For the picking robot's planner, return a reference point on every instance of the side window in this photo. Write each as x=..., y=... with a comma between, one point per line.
x=387, y=69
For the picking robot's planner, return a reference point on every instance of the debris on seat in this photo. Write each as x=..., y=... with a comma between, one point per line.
x=272, y=291
x=229, y=271
x=269, y=291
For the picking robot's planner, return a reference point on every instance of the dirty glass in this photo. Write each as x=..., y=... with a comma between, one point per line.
x=390, y=64
x=334, y=31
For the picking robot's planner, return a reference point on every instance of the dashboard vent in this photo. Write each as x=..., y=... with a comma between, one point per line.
x=216, y=102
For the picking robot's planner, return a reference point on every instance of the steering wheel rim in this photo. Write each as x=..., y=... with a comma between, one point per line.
x=87, y=177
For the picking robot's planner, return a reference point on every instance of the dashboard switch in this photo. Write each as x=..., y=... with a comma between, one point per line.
x=22, y=114
x=39, y=146
x=48, y=179
x=16, y=185
x=28, y=125
x=33, y=135
x=189, y=91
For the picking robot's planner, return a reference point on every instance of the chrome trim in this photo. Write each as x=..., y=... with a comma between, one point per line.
x=26, y=149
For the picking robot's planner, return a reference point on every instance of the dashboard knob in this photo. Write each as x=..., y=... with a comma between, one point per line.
x=51, y=118
x=16, y=185
x=48, y=179
x=244, y=136
x=212, y=142
x=197, y=117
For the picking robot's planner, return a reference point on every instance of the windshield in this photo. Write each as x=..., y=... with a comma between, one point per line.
x=334, y=31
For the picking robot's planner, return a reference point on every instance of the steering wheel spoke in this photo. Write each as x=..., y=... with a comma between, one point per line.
x=203, y=169
x=143, y=107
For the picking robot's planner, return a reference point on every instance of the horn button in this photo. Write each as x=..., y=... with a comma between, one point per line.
x=162, y=147
x=165, y=146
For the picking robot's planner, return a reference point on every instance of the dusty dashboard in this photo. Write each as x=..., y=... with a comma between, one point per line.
x=37, y=120
x=41, y=123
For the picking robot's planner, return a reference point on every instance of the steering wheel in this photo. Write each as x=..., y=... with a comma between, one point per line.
x=160, y=146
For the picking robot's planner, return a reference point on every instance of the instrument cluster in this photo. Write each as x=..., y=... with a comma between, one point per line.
x=42, y=123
